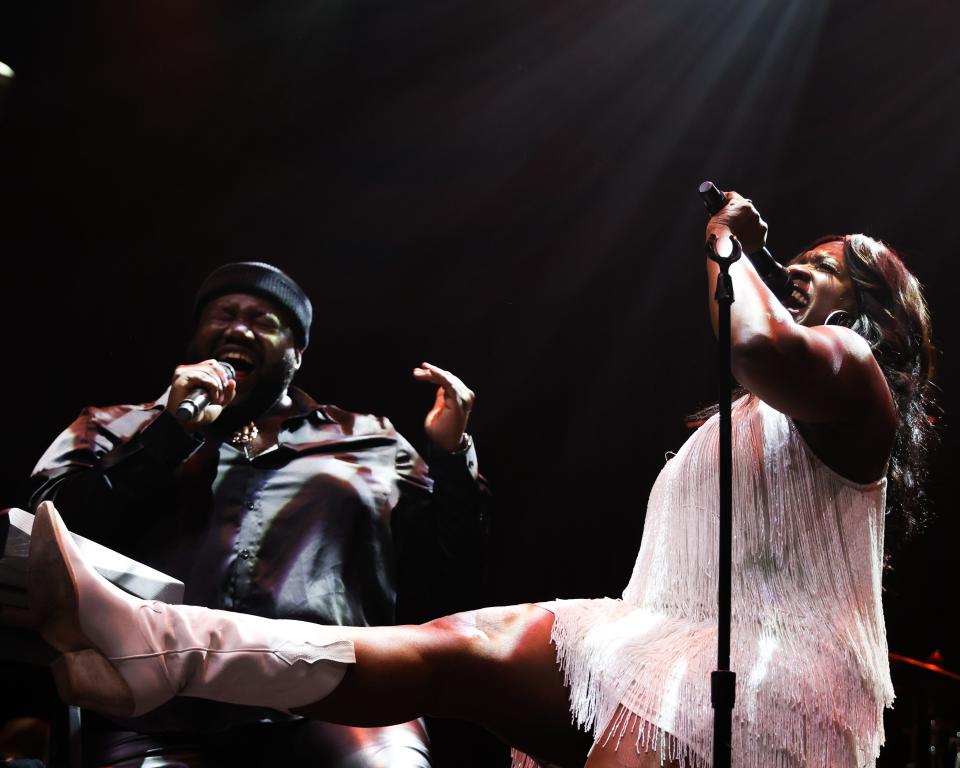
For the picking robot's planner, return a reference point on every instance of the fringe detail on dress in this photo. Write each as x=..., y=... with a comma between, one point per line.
x=808, y=640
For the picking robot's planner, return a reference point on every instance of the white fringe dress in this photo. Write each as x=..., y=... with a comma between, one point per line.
x=808, y=642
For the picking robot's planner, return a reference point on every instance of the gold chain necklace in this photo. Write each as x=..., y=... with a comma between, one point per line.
x=244, y=436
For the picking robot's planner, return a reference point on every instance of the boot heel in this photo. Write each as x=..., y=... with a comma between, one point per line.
x=86, y=679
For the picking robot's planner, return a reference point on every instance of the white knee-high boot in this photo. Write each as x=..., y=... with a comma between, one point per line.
x=124, y=656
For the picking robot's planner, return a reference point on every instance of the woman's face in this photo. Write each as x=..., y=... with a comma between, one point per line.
x=822, y=284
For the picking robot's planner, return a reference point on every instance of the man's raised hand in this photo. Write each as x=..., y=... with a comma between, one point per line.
x=210, y=376
x=447, y=420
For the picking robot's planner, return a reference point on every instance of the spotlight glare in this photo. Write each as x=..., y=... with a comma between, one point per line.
x=5, y=71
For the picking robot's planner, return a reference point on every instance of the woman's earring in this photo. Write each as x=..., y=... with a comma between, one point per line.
x=839, y=317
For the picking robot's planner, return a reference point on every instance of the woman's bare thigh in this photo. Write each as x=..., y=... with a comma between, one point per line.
x=494, y=666
x=619, y=748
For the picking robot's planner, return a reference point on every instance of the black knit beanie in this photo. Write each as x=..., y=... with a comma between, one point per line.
x=262, y=280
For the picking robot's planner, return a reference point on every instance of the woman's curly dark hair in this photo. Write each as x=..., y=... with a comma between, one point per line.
x=894, y=319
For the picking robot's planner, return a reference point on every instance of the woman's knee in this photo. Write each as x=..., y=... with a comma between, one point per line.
x=493, y=634
x=479, y=655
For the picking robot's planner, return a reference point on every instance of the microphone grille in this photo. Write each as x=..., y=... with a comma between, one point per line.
x=712, y=197
x=227, y=369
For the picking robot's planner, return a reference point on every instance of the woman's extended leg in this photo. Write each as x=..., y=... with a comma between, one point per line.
x=495, y=666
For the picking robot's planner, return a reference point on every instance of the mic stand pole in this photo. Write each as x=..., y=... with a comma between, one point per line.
x=722, y=680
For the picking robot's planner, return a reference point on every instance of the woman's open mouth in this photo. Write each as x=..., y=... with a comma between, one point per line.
x=797, y=301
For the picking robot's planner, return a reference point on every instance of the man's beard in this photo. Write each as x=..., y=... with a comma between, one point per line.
x=269, y=389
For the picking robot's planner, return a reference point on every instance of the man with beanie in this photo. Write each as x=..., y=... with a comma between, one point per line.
x=268, y=503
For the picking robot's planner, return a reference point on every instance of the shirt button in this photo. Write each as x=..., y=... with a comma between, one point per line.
x=251, y=504
x=245, y=554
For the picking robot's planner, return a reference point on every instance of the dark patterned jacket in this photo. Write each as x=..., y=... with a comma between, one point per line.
x=327, y=527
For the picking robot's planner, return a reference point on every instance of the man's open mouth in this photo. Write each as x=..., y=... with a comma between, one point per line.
x=243, y=361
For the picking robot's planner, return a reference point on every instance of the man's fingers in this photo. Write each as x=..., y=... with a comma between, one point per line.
x=206, y=376
x=439, y=375
x=221, y=372
x=437, y=371
x=211, y=382
x=428, y=372
x=424, y=374
x=216, y=367
x=450, y=383
x=229, y=392
x=444, y=378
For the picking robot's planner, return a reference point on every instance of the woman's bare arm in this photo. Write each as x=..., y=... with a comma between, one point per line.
x=817, y=375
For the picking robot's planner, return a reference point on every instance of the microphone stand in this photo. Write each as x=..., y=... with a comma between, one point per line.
x=722, y=680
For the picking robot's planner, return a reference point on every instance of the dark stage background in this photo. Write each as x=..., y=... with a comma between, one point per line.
x=507, y=189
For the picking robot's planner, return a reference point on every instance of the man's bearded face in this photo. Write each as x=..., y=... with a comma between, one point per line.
x=254, y=335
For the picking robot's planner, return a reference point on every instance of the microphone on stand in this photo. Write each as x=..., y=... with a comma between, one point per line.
x=198, y=399
x=770, y=270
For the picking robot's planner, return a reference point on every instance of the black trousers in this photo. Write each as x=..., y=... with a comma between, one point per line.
x=299, y=743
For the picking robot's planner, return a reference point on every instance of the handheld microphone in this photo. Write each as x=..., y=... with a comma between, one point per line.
x=770, y=270
x=198, y=398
